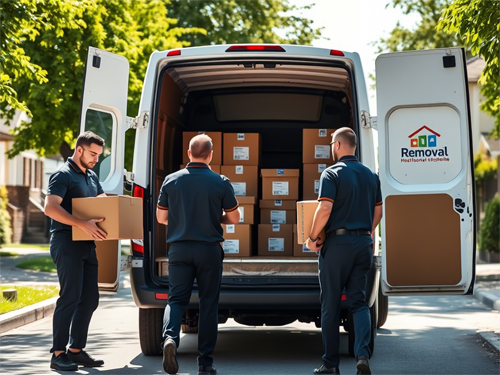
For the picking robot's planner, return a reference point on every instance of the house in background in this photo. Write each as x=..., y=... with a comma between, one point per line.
x=26, y=178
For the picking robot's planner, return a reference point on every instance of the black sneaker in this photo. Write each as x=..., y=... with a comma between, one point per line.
x=363, y=365
x=205, y=370
x=170, y=364
x=62, y=363
x=84, y=359
x=326, y=370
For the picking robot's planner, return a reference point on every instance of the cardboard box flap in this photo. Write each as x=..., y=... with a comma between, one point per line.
x=280, y=173
x=246, y=200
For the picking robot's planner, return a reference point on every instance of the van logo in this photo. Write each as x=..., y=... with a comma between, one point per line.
x=424, y=147
x=429, y=140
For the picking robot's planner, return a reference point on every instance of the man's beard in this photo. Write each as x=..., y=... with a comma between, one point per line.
x=86, y=165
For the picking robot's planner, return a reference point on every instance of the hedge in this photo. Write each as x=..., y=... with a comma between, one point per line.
x=489, y=235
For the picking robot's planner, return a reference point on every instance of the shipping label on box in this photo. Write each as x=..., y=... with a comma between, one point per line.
x=231, y=246
x=216, y=145
x=242, y=214
x=122, y=216
x=246, y=206
x=276, y=244
x=241, y=149
x=240, y=188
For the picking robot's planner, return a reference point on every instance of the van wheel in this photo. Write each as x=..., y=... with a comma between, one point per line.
x=150, y=331
x=186, y=328
x=373, y=334
x=383, y=308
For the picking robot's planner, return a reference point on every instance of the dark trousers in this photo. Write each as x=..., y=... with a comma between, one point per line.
x=188, y=261
x=76, y=263
x=344, y=262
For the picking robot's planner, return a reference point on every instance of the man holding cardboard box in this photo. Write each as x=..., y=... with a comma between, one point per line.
x=76, y=261
x=350, y=209
x=194, y=202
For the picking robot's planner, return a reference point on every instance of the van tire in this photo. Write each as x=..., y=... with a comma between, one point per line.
x=186, y=328
x=150, y=331
x=350, y=327
x=383, y=308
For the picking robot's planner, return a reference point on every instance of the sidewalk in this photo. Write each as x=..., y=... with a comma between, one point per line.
x=486, y=290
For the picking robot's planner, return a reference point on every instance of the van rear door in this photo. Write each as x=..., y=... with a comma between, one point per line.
x=104, y=111
x=426, y=173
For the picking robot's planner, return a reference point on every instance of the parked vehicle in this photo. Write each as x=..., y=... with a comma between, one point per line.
x=424, y=150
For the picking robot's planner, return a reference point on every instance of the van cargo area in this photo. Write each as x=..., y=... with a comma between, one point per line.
x=274, y=98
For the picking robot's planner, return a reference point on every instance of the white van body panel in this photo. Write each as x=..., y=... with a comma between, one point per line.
x=425, y=153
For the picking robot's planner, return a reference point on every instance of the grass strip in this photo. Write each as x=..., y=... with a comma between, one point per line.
x=41, y=263
x=28, y=246
x=7, y=254
x=26, y=295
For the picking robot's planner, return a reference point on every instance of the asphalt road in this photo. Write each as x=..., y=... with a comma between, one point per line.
x=423, y=335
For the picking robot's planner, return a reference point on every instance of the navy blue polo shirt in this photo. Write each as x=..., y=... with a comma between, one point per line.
x=70, y=182
x=354, y=191
x=195, y=197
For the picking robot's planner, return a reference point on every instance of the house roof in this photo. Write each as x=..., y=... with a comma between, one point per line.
x=422, y=128
x=492, y=144
x=475, y=67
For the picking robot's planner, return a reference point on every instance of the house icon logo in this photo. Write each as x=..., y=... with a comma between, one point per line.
x=429, y=140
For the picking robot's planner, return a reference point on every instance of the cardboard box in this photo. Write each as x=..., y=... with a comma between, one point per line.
x=305, y=216
x=316, y=146
x=244, y=178
x=278, y=212
x=275, y=239
x=215, y=168
x=300, y=250
x=247, y=209
x=216, y=145
x=280, y=184
x=122, y=216
x=241, y=148
x=237, y=240
x=310, y=180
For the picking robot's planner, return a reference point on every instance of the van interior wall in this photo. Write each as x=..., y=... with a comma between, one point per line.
x=281, y=139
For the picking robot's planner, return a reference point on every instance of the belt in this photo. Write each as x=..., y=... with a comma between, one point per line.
x=342, y=231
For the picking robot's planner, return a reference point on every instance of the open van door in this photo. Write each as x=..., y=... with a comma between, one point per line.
x=426, y=173
x=104, y=111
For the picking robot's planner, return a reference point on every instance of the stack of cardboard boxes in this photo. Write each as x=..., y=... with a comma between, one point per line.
x=277, y=227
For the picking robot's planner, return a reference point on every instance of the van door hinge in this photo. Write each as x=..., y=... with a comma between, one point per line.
x=139, y=122
x=367, y=121
x=129, y=177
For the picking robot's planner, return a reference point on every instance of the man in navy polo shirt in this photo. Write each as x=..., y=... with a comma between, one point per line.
x=350, y=208
x=76, y=261
x=194, y=202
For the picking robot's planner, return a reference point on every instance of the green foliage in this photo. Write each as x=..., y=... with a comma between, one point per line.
x=43, y=264
x=477, y=23
x=242, y=21
x=485, y=168
x=27, y=295
x=5, y=229
x=133, y=29
x=489, y=235
x=425, y=35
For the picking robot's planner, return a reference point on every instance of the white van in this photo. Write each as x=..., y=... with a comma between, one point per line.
x=424, y=151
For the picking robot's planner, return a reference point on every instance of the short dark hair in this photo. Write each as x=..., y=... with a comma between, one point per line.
x=200, y=146
x=347, y=135
x=88, y=138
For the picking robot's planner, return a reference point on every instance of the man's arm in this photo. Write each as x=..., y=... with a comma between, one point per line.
x=377, y=216
x=54, y=210
x=162, y=215
x=320, y=219
x=231, y=217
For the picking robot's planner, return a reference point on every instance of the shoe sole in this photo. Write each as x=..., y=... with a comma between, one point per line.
x=363, y=369
x=87, y=365
x=56, y=367
x=170, y=364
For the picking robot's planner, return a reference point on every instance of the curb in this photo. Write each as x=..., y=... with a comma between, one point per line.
x=492, y=339
x=28, y=314
x=489, y=299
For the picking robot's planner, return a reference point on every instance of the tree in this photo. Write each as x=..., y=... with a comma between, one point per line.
x=133, y=29
x=242, y=21
x=425, y=35
x=477, y=23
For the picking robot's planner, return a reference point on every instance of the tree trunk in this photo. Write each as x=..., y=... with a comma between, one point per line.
x=10, y=294
x=65, y=151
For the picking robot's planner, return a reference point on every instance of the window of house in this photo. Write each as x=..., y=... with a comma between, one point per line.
x=102, y=123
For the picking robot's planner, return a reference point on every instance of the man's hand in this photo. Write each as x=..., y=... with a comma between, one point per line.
x=315, y=246
x=90, y=227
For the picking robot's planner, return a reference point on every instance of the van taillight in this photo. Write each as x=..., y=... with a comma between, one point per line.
x=335, y=52
x=175, y=52
x=256, y=48
x=137, y=245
